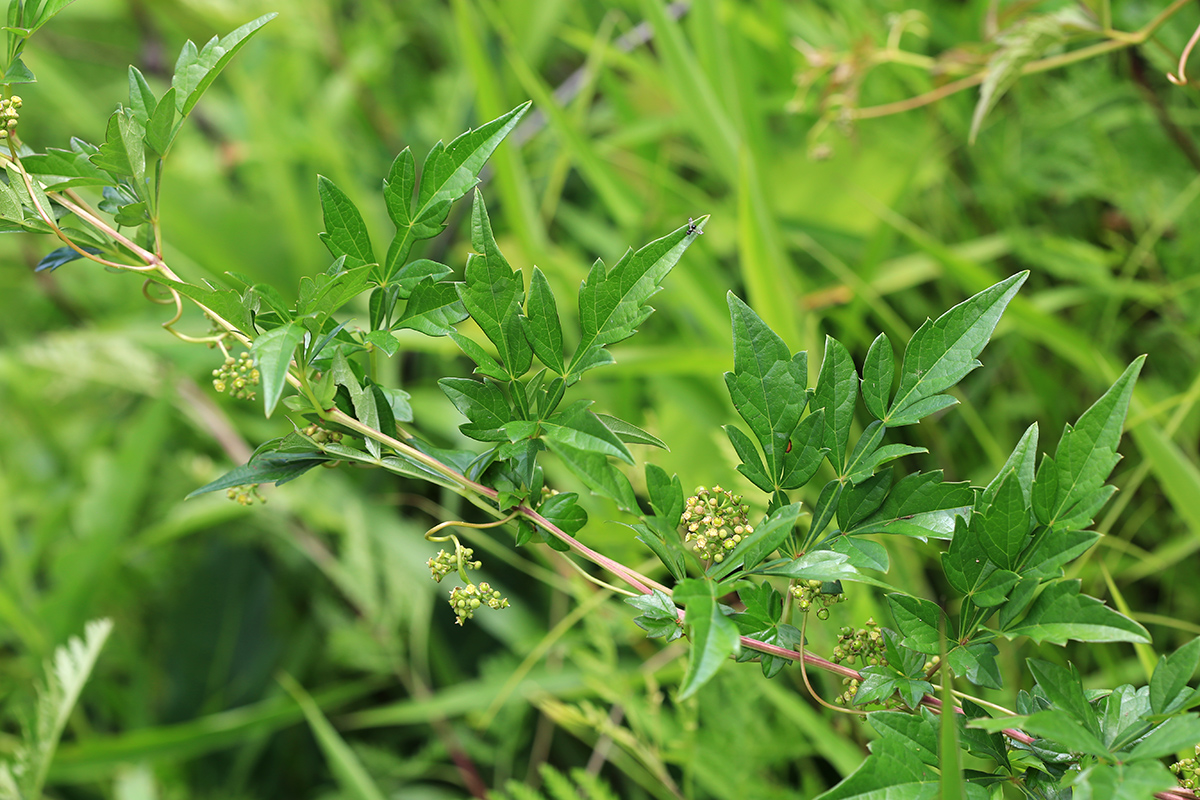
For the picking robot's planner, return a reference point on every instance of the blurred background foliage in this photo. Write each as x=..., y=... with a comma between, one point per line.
x=1086, y=175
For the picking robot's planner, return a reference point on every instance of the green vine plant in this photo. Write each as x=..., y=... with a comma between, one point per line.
x=1005, y=544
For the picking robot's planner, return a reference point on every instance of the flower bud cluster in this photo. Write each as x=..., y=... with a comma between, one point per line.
x=444, y=563
x=808, y=594
x=1188, y=771
x=320, y=435
x=245, y=495
x=865, y=644
x=9, y=115
x=466, y=599
x=847, y=697
x=238, y=376
x=716, y=522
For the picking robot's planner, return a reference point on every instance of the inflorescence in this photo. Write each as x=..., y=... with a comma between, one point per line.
x=716, y=522
x=237, y=375
x=811, y=593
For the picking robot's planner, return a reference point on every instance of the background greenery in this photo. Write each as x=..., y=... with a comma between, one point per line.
x=1087, y=176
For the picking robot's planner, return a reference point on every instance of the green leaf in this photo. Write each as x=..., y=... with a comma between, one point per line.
x=802, y=460
x=541, y=323
x=272, y=352
x=1169, y=683
x=921, y=504
x=1064, y=688
x=485, y=364
x=483, y=404
x=196, y=70
x=836, y=392
x=891, y=772
x=714, y=637
x=1020, y=463
x=667, y=549
x=17, y=72
x=942, y=352
x=752, y=465
x=666, y=495
x=817, y=565
x=917, y=732
x=767, y=386
x=659, y=618
x=596, y=472
x=66, y=169
x=768, y=535
x=859, y=502
x=345, y=231
x=123, y=152
x=630, y=433
x=141, y=96
x=1087, y=452
x=493, y=294
x=433, y=309
x=879, y=370
x=449, y=173
x=362, y=399
x=383, y=340
x=977, y=663
x=1065, y=731
x=859, y=469
x=863, y=553
x=225, y=303
x=1031, y=37
x=161, y=125
x=1060, y=614
x=351, y=775
x=276, y=461
x=412, y=273
x=994, y=588
x=1052, y=549
x=920, y=622
x=612, y=303
x=1135, y=781
x=1176, y=734
x=582, y=430
x=1005, y=524
x=564, y=511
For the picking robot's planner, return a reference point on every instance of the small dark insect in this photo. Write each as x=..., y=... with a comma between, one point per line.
x=692, y=230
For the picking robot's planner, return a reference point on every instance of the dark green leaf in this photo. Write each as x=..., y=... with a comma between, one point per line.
x=485, y=364
x=836, y=392
x=596, y=472
x=1087, y=452
x=818, y=565
x=879, y=369
x=564, y=511
x=141, y=96
x=362, y=399
x=977, y=663
x=666, y=495
x=433, y=309
x=965, y=561
x=659, y=616
x=1169, y=683
x=412, y=273
x=1174, y=735
x=802, y=460
x=667, y=548
x=752, y=465
x=942, y=352
x=993, y=588
x=714, y=637
x=1065, y=731
x=921, y=504
x=225, y=303
x=542, y=326
x=63, y=255
x=612, y=303
x=768, y=535
x=384, y=340
x=1052, y=549
x=862, y=553
x=1060, y=613
x=449, y=173
x=1063, y=687
x=1045, y=490
x=277, y=461
x=859, y=502
x=917, y=732
x=1136, y=781
x=920, y=622
x=1004, y=525
x=493, y=294
x=345, y=231
x=65, y=169
x=580, y=429
x=892, y=772
x=1020, y=463
x=482, y=403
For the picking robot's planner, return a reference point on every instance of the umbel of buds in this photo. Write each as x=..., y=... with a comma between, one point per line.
x=810, y=594
x=715, y=522
x=1188, y=771
x=466, y=599
x=237, y=375
x=9, y=115
x=245, y=495
x=444, y=563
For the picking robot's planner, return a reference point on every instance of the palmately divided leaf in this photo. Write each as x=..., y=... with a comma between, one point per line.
x=613, y=302
x=449, y=172
x=493, y=295
x=767, y=386
x=943, y=351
